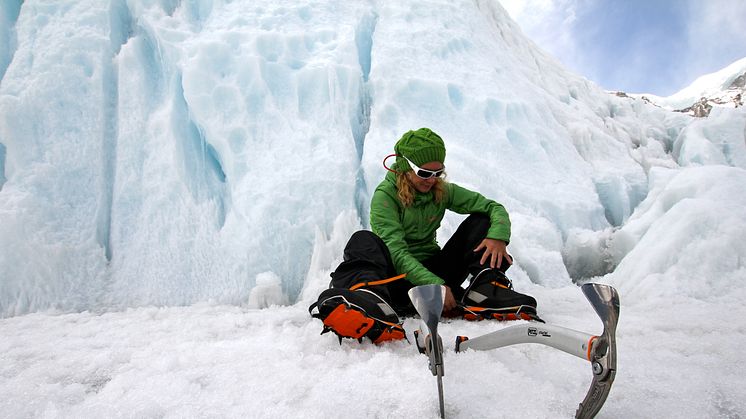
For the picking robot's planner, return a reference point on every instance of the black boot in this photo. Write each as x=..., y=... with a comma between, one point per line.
x=490, y=295
x=358, y=302
x=356, y=314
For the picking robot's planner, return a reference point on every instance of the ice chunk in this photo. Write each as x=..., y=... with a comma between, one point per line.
x=267, y=291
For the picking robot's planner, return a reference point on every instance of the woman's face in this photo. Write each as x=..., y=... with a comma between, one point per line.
x=424, y=185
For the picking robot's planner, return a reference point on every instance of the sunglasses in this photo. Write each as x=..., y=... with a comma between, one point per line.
x=424, y=173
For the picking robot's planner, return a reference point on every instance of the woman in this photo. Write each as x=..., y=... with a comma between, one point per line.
x=370, y=286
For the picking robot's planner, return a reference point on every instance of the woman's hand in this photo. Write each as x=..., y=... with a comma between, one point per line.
x=495, y=251
x=450, y=302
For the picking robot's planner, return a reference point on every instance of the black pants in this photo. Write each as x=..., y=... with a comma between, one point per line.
x=366, y=258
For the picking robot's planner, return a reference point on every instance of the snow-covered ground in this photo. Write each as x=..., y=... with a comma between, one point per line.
x=678, y=357
x=178, y=178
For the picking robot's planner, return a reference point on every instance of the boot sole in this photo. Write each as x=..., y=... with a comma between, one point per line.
x=522, y=312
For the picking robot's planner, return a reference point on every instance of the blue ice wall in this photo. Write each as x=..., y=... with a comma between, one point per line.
x=201, y=164
x=9, y=10
x=360, y=120
x=167, y=152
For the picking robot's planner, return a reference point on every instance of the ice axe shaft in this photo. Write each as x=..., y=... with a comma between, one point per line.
x=428, y=301
x=567, y=340
x=600, y=351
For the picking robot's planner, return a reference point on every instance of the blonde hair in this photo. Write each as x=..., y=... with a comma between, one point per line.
x=406, y=190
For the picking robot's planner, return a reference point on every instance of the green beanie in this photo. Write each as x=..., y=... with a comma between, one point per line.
x=420, y=147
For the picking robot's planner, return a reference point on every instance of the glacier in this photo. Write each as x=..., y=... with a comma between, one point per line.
x=176, y=150
x=179, y=175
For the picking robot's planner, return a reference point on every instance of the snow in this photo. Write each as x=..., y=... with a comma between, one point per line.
x=718, y=141
x=708, y=85
x=178, y=179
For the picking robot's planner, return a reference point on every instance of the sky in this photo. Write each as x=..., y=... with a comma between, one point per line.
x=637, y=46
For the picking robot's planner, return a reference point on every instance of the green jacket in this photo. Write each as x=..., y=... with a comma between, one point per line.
x=410, y=232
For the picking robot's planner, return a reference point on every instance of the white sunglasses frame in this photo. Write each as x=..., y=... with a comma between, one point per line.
x=433, y=173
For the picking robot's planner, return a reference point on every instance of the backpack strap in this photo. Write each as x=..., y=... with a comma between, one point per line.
x=378, y=282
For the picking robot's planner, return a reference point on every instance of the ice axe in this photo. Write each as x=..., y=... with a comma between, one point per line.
x=428, y=301
x=600, y=351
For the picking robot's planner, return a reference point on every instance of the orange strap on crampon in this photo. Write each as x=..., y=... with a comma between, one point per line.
x=352, y=323
x=348, y=322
